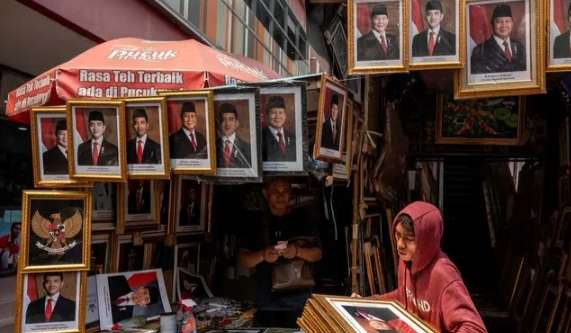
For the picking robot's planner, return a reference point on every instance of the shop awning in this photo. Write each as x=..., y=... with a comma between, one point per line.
x=130, y=67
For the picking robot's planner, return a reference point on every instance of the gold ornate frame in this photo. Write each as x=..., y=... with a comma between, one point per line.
x=459, y=32
x=121, y=143
x=548, y=66
x=19, y=315
x=165, y=156
x=30, y=195
x=351, y=55
x=317, y=153
x=439, y=139
x=36, y=156
x=211, y=137
x=536, y=51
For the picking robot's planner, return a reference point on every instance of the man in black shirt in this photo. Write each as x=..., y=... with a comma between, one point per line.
x=264, y=244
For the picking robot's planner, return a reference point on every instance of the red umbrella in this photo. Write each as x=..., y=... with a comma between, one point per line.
x=130, y=67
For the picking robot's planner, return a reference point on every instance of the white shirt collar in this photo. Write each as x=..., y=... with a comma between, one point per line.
x=230, y=138
x=54, y=299
x=143, y=138
x=435, y=30
x=129, y=301
x=63, y=150
x=501, y=42
x=275, y=132
x=99, y=141
x=378, y=35
x=187, y=132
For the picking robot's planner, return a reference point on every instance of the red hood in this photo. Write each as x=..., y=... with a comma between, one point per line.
x=428, y=229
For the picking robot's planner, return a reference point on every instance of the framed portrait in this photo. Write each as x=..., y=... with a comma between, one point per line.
x=282, y=128
x=50, y=302
x=435, y=32
x=343, y=170
x=187, y=257
x=504, y=49
x=190, y=206
x=100, y=253
x=367, y=187
x=10, y=239
x=164, y=194
x=56, y=230
x=238, y=146
x=139, y=203
x=488, y=121
x=190, y=285
x=96, y=133
x=358, y=315
x=331, y=121
x=104, y=203
x=378, y=36
x=558, y=52
x=191, y=132
x=91, y=306
x=147, y=138
x=129, y=252
x=119, y=296
x=49, y=148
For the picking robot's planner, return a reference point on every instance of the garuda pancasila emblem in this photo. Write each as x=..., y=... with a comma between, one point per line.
x=55, y=232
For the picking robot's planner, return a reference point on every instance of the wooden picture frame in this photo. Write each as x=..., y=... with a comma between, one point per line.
x=155, y=160
x=105, y=206
x=365, y=54
x=100, y=253
x=108, y=119
x=483, y=119
x=24, y=304
x=193, y=249
x=48, y=128
x=139, y=204
x=196, y=222
x=343, y=170
x=558, y=57
x=198, y=158
x=489, y=73
x=47, y=217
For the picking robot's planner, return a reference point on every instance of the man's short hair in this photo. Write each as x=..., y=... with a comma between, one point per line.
x=335, y=99
x=154, y=294
x=61, y=126
x=228, y=108
x=60, y=274
x=407, y=223
x=433, y=5
x=275, y=102
x=279, y=179
x=187, y=107
x=379, y=9
x=501, y=10
x=140, y=113
x=96, y=116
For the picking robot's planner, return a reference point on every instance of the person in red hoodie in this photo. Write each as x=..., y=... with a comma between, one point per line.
x=429, y=284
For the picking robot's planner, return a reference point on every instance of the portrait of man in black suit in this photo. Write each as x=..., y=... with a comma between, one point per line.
x=278, y=142
x=190, y=209
x=561, y=47
x=139, y=198
x=433, y=41
x=231, y=150
x=53, y=307
x=188, y=142
x=128, y=302
x=55, y=159
x=142, y=149
x=500, y=53
x=331, y=131
x=97, y=150
x=378, y=44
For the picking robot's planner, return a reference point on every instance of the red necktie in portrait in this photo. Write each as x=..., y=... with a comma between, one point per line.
x=95, y=154
x=384, y=44
x=227, y=153
x=431, y=43
x=281, y=142
x=49, y=310
x=333, y=131
x=507, y=51
x=140, y=151
x=193, y=141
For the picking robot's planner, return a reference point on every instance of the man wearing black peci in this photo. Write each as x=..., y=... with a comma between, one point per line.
x=378, y=44
x=434, y=41
x=279, y=143
x=97, y=150
x=141, y=149
x=55, y=159
x=187, y=142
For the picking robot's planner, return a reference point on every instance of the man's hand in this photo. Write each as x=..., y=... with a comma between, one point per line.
x=290, y=252
x=270, y=254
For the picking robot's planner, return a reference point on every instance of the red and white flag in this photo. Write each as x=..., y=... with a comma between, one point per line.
x=363, y=20
x=559, y=26
x=480, y=28
x=48, y=128
x=32, y=290
x=416, y=19
x=80, y=130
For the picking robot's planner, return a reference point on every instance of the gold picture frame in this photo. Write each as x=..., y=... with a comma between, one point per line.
x=50, y=228
x=194, y=166
x=199, y=214
x=513, y=81
x=343, y=170
x=156, y=172
x=369, y=66
x=138, y=220
x=484, y=114
x=558, y=57
x=85, y=170
x=80, y=295
x=328, y=149
x=442, y=60
x=105, y=238
x=39, y=119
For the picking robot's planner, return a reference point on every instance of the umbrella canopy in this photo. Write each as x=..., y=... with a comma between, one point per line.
x=130, y=67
